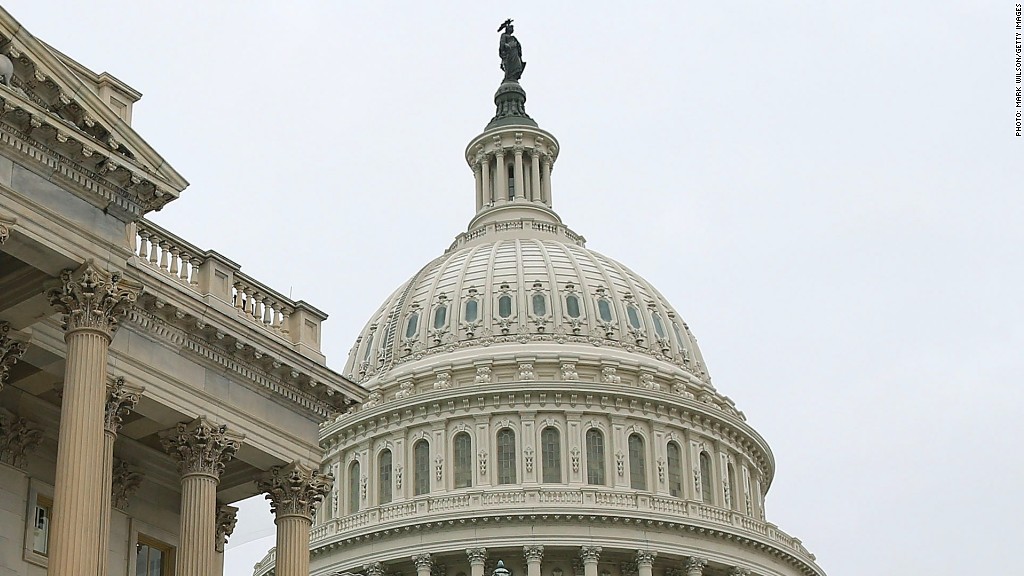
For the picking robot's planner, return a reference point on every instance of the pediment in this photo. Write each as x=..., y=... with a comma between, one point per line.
x=51, y=115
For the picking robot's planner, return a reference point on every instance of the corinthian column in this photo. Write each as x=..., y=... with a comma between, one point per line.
x=645, y=562
x=423, y=564
x=227, y=517
x=533, y=555
x=201, y=449
x=590, y=555
x=477, y=560
x=294, y=492
x=695, y=565
x=92, y=302
x=121, y=400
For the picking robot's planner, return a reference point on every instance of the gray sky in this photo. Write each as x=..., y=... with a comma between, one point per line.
x=830, y=194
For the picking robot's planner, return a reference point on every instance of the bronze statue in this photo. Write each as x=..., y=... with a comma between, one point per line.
x=511, y=53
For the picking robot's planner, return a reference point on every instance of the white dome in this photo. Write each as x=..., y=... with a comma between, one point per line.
x=526, y=287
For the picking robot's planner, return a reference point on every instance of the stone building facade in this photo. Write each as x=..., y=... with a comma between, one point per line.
x=537, y=403
x=145, y=382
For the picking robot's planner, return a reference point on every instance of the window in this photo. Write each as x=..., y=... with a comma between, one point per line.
x=551, y=454
x=153, y=558
x=659, y=326
x=42, y=512
x=572, y=306
x=511, y=182
x=353, y=488
x=504, y=306
x=634, y=316
x=540, y=305
x=412, y=324
x=595, y=456
x=604, y=310
x=384, y=477
x=472, y=310
x=675, y=470
x=679, y=336
x=421, y=467
x=730, y=478
x=369, y=347
x=506, y=448
x=440, y=316
x=637, y=462
x=705, y=478
x=462, y=451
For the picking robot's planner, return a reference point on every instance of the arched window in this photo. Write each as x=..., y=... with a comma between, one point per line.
x=472, y=310
x=604, y=310
x=504, y=306
x=679, y=336
x=551, y=454
x=675, y=470
x=412, y=324
x=572, y=306
x=506, y=456
x=462, y=460
x=595, y=457
x=353, y=488
x=511, y=171
x=440, y=316
x=421, y=467
x=659, y=326
x=369, y=347
x=637, y=462
x=384, y=477
x=706, y=493
x=634, y=316
x=540, y=305
x=730, y=479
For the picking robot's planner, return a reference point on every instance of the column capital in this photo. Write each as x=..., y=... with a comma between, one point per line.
x=93, y=299
x=6, y=224
x=124, y=482
x=645, y=557
x=374, y=569
x=739, y=571
x=476, y=555
x=590, y=553
x=18, y=437
x=10, y=352
x=294, y=489
x=121, y=399
x=695, y=565
x=533, y=553
x=200, y=446
x=227, y=516
x=422, y=561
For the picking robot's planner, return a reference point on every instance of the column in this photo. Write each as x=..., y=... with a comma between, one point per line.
x=10, y=351
x=201, y=448
x=423, y=564
x=739, y=571
x=501, y=177
x=477, y=559
x=227, y=517
x=533, y=555
x=518, y=176
x=121, y=399
x=645, y=562
x=478, y=174
x=374, y=569
x=545, y=186
x=92, y=302
x=695, y=565
x=485, y=177
x=535, y=194
x=295, y=491
x=590, y=555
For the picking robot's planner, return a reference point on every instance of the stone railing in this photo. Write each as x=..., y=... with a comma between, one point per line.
x=586, y=500
x=216, y=279
x=557, y=230
x=266, y=565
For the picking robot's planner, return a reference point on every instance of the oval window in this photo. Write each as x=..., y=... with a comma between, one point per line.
x=540, y=305
x=572, y=306
x=505, y=306
x=634, y=316
x=604, y=310
x=472, y=308
x=440, y=316
x=659, y=328
x=412, y=324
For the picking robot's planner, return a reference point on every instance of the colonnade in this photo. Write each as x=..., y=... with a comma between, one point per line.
x=495, y=190
x=92, y=302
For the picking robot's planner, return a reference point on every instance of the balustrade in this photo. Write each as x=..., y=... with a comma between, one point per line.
x=170, y=255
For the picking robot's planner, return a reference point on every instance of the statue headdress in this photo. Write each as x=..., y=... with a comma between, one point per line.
x=505, y=25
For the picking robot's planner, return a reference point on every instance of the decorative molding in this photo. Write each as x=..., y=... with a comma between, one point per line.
x=374, y=569
x=574, y=454
x=525, y=373
x=422, y=562
x=739, y=571
x=569, y=372
x=476, y=555
x=227, y=517
x=121, y=400
x=533, y=553
x=528, y=454
x=92, y=299
x=443, y=381
x=295, y=489
x=125, y=480
x=482, y=457
x=200, y=446
x=590, y=554
x=5, y=229
x=10, y=352
x=608, y=376
x=483, y=375
x=695, y=565
x=646, y=557
x=18, y=438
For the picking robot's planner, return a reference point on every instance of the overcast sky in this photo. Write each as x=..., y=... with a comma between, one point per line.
x=829, y=193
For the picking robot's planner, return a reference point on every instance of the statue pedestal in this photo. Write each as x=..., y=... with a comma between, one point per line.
x=510, y=106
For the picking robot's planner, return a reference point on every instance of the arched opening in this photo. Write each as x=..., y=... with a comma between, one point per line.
x=384, y=477
x=637, y=462
x=462, y=460
x=595, y=457
x=421, y=467
x=353, y=488
x=706, y=493
x=675, y=469
x=551, y=454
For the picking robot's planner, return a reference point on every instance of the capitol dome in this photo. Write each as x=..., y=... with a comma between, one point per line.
x=534, y=402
